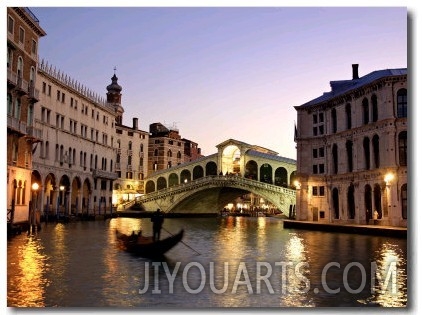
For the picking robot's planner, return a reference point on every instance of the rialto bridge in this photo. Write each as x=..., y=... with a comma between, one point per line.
x=207, y=184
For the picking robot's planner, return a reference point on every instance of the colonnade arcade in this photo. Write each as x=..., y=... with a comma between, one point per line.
x=60, y=195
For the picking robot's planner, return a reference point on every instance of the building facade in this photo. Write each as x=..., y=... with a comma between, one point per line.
x=131, y=152
x=352, y=151
x=167, y=148
x=23, y=34
x=74, y=162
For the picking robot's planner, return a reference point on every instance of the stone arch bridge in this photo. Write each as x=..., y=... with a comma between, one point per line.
x=209, y=183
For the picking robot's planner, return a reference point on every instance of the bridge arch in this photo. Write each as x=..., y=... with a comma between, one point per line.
x=280, y=178
x=185, y=176
x=173, y=179
x=251, y=170
x=161, y=183
x=266, y=173
x=198, y=172
x=149, y=186
x=211, y=168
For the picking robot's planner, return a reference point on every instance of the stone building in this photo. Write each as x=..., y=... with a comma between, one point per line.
x=23, y=34
x=352, y=151
x=74, y=162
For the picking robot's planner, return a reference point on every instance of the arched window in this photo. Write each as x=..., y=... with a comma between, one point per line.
x=374, y=102
x=9, y=104
x=368, y=201
x=366, y=152
x=130, y=145
x=333, y=120
x=348, y=116
x=403, y=148
x=376, y=149
x=378, y=200
x=365, y=111
x=20, y=67
x=169, y=153
x=349, y=149
x=336, y=206
x=402, y=103
x=403, y=194
x=335, y=159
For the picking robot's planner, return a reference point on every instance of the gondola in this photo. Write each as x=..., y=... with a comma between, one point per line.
x=144, y=245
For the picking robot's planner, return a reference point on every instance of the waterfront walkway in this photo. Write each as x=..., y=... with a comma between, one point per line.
x=383, y=230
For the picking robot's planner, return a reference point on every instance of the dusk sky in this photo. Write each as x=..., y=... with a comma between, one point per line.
x=221, y=72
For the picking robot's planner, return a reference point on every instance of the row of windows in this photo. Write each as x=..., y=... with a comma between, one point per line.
x=369, y=113
x=73, y=127
x=21, y=37
x=371, y=154
x=61, y=97
x=170, y=142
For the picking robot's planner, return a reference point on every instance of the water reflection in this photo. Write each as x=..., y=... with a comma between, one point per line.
x=243, y=262
x=26, y=281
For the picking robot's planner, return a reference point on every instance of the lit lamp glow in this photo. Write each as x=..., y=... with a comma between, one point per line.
x=388, y=178
x=297, y=184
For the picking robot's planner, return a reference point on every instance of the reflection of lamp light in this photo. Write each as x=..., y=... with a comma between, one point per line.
x=388, y=178
x=297, y=184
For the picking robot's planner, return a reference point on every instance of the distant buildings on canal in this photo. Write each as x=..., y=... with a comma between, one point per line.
x=352, y=151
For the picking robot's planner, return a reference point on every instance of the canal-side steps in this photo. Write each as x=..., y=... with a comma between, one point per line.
x=392, y=231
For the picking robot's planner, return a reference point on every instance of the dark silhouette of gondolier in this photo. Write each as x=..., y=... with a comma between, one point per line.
x=157, y=220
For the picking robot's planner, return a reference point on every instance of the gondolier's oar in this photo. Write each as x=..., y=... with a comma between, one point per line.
x=183, y=242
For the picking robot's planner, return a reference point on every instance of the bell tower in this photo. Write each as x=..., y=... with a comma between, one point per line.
x=114, y=98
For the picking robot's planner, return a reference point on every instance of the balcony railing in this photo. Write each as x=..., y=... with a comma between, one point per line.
x=12, y=77
x=33, y=93
x=104, y=174
x=22, y=86
x=16, y=124
x=34, y=132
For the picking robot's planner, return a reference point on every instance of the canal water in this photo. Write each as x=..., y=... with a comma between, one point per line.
x=240, y=262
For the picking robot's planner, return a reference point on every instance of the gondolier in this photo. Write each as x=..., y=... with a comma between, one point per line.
x=157, y=220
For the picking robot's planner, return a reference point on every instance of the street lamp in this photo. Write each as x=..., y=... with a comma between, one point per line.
x=388, y=179
x=32, y=216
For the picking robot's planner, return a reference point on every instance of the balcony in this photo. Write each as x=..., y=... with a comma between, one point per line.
x=34, y=134
x=33, y=94
x=129, y=152
x=22, y=86
x=117, y=166
x=16, y=125
x=104, y=174
x=129, y=168
x=12, y=78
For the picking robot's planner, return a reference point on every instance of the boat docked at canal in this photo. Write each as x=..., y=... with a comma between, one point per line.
x=145, y=246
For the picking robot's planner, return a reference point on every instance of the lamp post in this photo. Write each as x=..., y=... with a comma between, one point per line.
x=388, y=178
x=33, y=209
x=297, y=185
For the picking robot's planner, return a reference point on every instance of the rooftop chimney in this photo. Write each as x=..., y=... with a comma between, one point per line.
x=135, y=123
x=355, y=71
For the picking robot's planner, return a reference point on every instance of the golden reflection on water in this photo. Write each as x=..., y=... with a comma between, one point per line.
x=28, y=281
x=391, y=277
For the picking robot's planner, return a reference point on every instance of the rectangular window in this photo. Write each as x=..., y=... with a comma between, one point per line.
x=49, y=90
x=21, y=35
x=315, y=118
x=314, y=190
x=321, y=152
x=321, y=117
x=321, y=129
x=321, y=190
x=315, y=153
x=44, y=87
x=321, y=169
x=315, y=131
x=315, y=169
x=34, y=47
x=10, y=25
x=58, y=95
x=63, y=97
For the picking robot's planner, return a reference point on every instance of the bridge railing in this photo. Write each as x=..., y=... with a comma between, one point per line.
x=239, y=181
